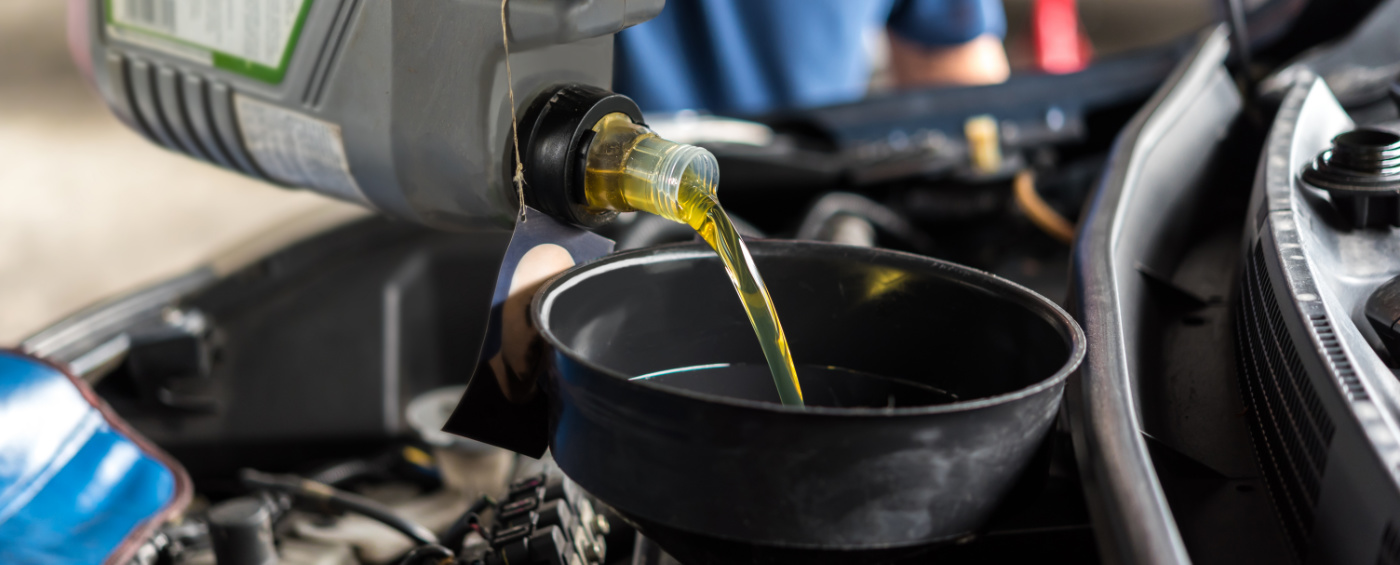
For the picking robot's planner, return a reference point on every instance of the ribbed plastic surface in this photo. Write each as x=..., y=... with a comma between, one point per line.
x=1290, y=428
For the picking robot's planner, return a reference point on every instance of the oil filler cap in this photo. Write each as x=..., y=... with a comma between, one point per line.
x=1361, y=172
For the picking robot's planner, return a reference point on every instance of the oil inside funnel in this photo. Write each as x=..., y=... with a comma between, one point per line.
x=829, y=386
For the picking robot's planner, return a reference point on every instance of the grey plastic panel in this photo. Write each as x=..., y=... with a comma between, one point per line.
x=325, y=338
x=1153, y=172
x=1318, y=271
x=329, y=53
x=143, y=92
x=120, y=98
x=221, y=107
x=171, y=107
x=202, y=122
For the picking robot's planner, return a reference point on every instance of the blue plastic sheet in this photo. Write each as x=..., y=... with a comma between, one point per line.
x=74, y=486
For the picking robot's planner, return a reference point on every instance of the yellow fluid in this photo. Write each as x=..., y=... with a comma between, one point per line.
x=612, y=181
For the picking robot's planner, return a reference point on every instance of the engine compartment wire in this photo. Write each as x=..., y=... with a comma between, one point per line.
x=336, y=499
x=1038, y=211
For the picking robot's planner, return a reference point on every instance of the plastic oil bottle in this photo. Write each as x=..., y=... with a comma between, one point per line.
x=629, y=168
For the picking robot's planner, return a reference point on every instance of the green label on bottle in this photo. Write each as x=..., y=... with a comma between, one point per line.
x=254, y=38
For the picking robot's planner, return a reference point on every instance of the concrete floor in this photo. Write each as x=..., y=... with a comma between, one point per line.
x=88, y=209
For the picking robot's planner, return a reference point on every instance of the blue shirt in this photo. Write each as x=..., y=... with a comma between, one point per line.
x=754, y=56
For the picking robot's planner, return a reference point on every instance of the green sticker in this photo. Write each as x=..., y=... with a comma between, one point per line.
x=254, y=38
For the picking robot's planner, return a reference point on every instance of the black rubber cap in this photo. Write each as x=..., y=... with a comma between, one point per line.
x=554, y=137
x=241, y=529
x=1361, y=172
x=1383, y=312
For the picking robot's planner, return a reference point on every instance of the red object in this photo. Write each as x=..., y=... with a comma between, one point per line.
x=1059, y=46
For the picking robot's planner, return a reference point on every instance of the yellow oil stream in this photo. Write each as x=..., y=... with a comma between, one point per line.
x=630, y=168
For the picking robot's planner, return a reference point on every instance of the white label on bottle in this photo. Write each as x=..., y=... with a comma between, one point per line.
x=297, y=149
x=252, y=37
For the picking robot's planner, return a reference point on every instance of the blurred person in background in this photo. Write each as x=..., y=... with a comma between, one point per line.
x=748, y=57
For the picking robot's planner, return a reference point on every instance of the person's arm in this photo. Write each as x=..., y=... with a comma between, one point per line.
x=980, y=61
x=947, y=42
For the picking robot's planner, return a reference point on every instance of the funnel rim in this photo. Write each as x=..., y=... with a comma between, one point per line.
x=1045, y=308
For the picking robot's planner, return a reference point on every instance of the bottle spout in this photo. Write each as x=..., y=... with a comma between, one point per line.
x=630, y=168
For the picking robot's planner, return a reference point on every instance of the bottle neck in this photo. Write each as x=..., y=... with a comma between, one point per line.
x=630, y=168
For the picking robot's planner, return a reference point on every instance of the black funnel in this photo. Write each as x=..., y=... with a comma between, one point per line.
x=937, y=384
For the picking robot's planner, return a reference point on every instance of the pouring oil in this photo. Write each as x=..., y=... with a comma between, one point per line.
x=630, y=168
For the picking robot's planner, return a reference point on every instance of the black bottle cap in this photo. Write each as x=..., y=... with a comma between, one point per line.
x=554, y=137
